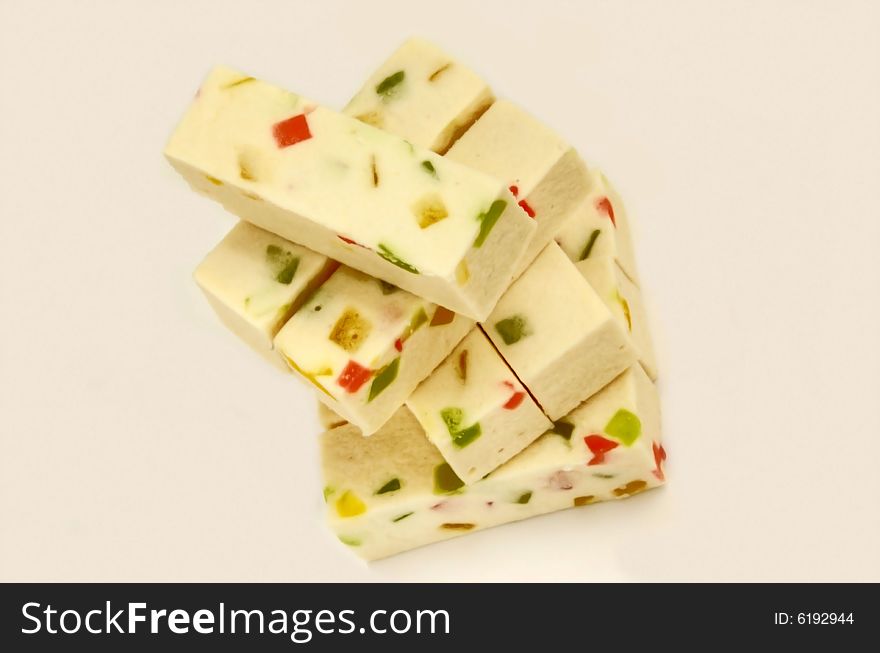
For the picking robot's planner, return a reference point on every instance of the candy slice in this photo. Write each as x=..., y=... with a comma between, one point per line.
x=324, y=179
x=432, y=503
x=255, y=281
x=546, y=175
x=557, y=335
x=423, y=95
x=478, y=419
x=599, y=227
x=366, y=349
x=624, y=300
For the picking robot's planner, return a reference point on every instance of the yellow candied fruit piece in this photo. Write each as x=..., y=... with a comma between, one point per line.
x=633, y=487
x=350, y=330
x=373, y=118
x=214, y=180
x=430, y=210
x=462, y=273
x=349, y=505
x=457, y=526
x=584, y=501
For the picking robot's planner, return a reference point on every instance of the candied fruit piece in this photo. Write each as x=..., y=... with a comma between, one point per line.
x=350, y=331
x=457, y=526
x=291, y=131
x=633, y=487
x=350, y=541
x=564, y=428
x=599, y=446
x=464, y=437
x=603, y=204
x=353, y=377
x=429, y=168
x=373, y=118
x=461, y=364
x=514, y=402
x=390, y=85
x=584, y=501
x=401, y=517
x=488, y=219
x=391, y=486
x=442, y=69
x=462, y=273
x=624, y=426
x=659, y=458
x=442, y=316
x=282, y=263
x=386, y=253
x=512, y=329
x=350, y=505
x=524, y=498
x=585, y=254
x=430, y=210
x=384, y=378
x=445, y=480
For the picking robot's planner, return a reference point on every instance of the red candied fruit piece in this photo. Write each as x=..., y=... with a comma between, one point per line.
x=604, y=205
x=398, y=344
x=291, y=131
x=528, y=209
x=598, y=446
x=659, y=457
x=514, y=402
x=514, y=191
x=353, y=377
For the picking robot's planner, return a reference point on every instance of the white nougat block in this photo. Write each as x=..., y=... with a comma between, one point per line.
x=393, y=491
x=255, y=281
x=475, y=411
x=624, y=300
x=423, y=95
x=600, y=228
x=545, y=173
x=352, y=192
x=366, y=345
x=557, y=335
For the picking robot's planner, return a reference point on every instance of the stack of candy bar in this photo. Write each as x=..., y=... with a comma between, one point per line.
x=456, y=286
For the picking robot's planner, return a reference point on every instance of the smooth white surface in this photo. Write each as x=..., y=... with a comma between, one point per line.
x=140, y=441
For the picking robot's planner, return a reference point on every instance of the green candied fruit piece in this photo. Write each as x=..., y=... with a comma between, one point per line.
x=350, y=330
x=383, y=379
x=464, y=437
x=401, y=517
x=387, y=288
x=564, y=428
x=513, y=329
x=350, y=541
x=386, y=253
x=282, y=262
x=452, y=417
x=328, y=490
x=624, y=426
x=391, y=486
x=585, y=254
x=488, y=220
x=388, y=86
x=429, y=167
x=445, y=480
x=524, y=498
x=418, y=319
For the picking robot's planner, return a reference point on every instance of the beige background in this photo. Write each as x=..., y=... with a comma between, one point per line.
x=140, y=441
